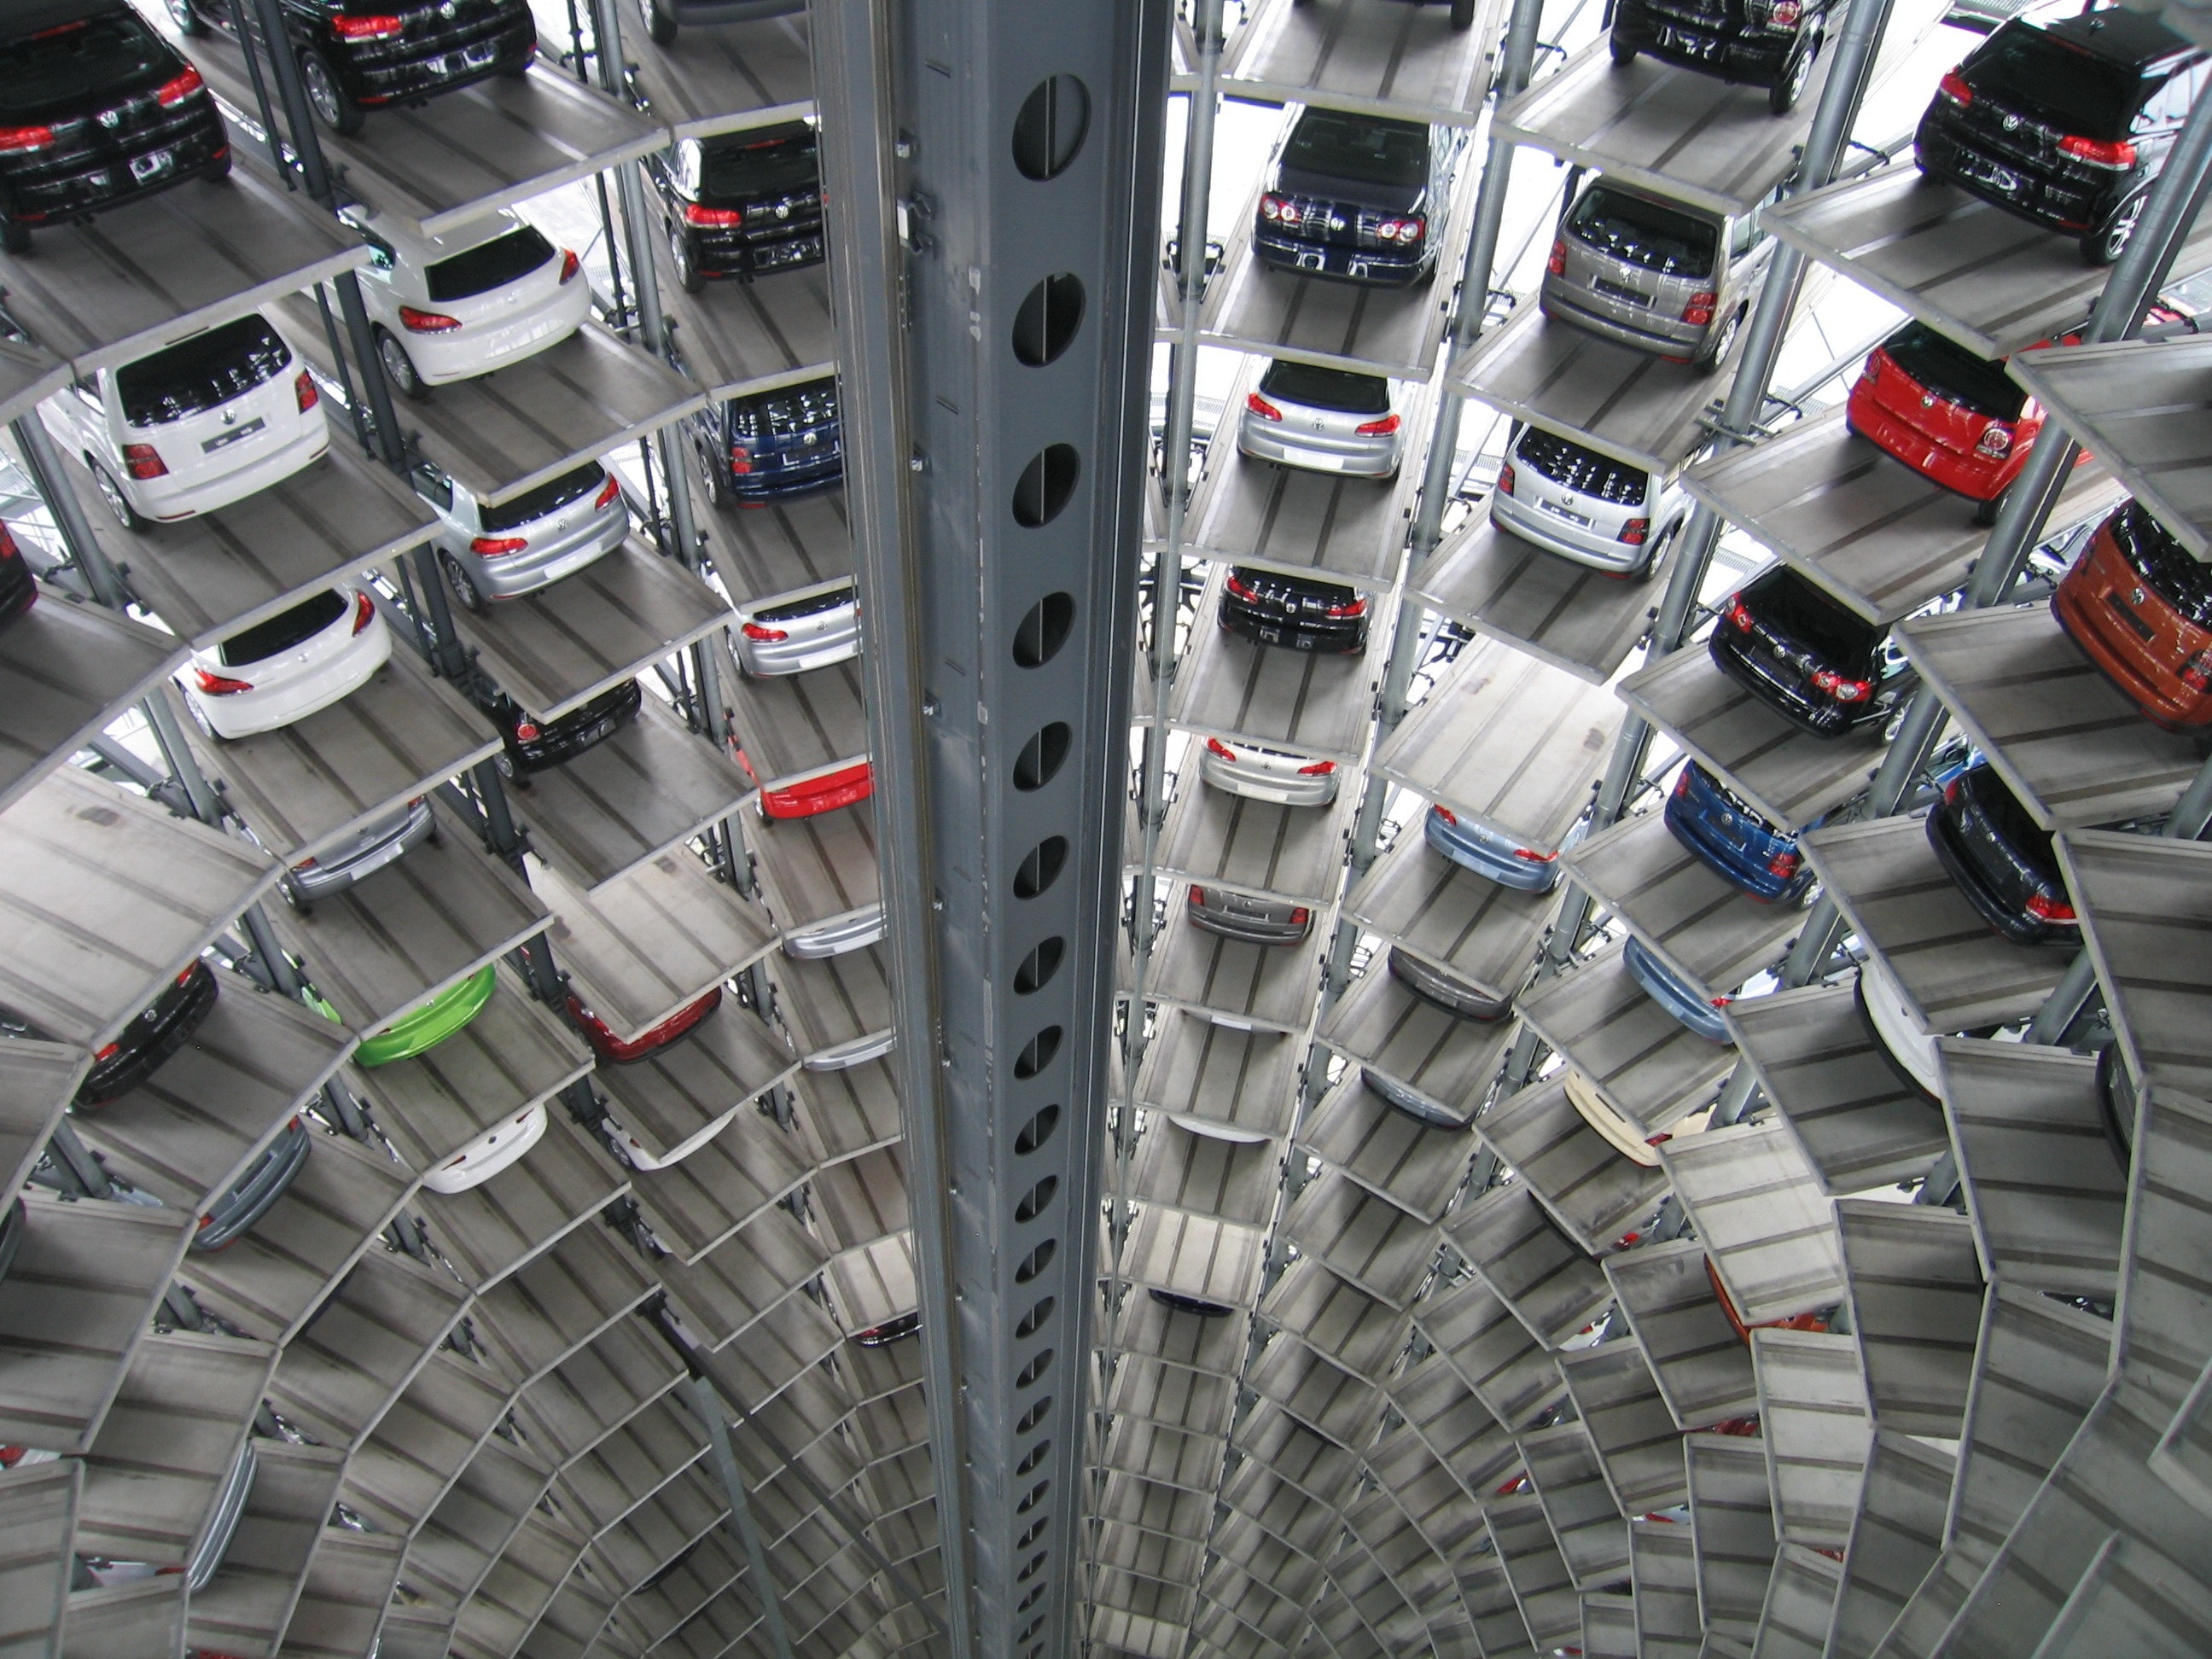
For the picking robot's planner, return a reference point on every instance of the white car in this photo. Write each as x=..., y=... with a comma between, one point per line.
x=854, y=930
x=196, y=426
x=639, y=1157
x=285, y=668
x=484, y=294
x=496, y=1148
x=796, y=633
x=529, y=541
x=1890, y=1018
x=1269, y=774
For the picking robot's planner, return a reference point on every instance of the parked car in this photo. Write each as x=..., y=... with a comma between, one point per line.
x=285, y=668
x=2003, y=860
x=1615, y=1129
x=2064, y=116
x=1889, y=1019
x=740, y=204
x=154, y=1033
x=2115, y=1100
x=1297, y=612
x=1570, y=500
x=497, y=1148
x=95, y=110
x=19, y=586
x=798, y=633
x=1761, y=42
x=770, y=444
x=1360, y=197
x=1258, y=772
x=663, y=17
x=616, y=1051
x=1658, y=274
x=2140, y=607
x=855, y=931
x=1821, y=666
x=1730, y=838
x=1459, y=998
x=529, y=541
x=423, y=1028
x=819, y=792
x=255, y=1193
x=1322, y=420
x=529, y=745
x=1243, y=916
x=385, y=839
x=1493, y=855
x=355, y=59
x=1396, y=1094
x=196, y=425
x=474, y=298
x=222, y=1524
x=1685, y=1000
x=1175, y=1302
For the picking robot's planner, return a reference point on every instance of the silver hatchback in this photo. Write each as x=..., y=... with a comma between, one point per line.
x=1242, y=916
x=528, y=542
x=1657, y=275
x=1322, y=420
x=1570, y=500
x=794, y=633
x=1269, y=774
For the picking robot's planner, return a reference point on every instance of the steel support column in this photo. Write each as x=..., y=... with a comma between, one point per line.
x=992, y=167
x=706, y=1406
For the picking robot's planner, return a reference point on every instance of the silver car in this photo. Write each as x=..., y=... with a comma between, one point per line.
x=794, y=633
x=528, y=542
x=383, y=839
x=852, y=931
x=1657, y=275
x=1571, y=501
x=1322, y=420
x=1269, y=774
x=1242, y=916
x=1454, y=995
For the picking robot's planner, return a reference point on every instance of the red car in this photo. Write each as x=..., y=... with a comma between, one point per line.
x=1948, y=415
x=2140, y=609
x=614, y=1051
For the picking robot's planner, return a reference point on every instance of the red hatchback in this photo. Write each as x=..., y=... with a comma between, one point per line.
x=2140, y=609
x=1947, y=414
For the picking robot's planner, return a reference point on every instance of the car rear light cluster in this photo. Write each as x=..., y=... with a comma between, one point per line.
x=304, y=391
x=1785, y=13
x=1783, y=867
x=2115, y=156
x=364, y=612
x=608, y=493
x=526, y=732
x=1357, y=608
x=1317, y=769
x=1280, y=210
x=1261, y=407
x=1698, y=310
x=1634, y=531
x=741, y=460
x=1405, y=231
x=381, y=28
x=1240, y=590
x=427, y=322
x=497, y=547
x=1300, y=915
x=174, y=92
x=23, y=141
x=1505, y=479
x=1218, y=750
x=1556, y=264
x=1381, y=428
x=143, y=461
x=1830, y=684
x=712, y=218
x=1682, y=783
x=570, y=264
x=1446, y=814
x=1954, y=87
x=1995, y=440
x=1738, y=614
x=755, y=631
x=1530, y=855
x=2196, y=673
x=2043, y=908
x=219, y=685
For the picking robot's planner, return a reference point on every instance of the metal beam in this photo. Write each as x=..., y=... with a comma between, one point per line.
x=706, y=1406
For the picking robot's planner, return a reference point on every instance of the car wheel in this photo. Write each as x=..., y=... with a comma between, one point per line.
x=399, y=367
x=217, y=171
x=1723, y=343
x=2103, y=245
x=15, y=237
x=466, y=593
x=1624, y=51
x=1657, y=555
x=1985, y=513
x=332, y=107
x=187, y=20
x=118, y=502
x=659, y=22
x=515, y=776
x=1463, y=13
x=714, y=478
x=1782, y=97
x=687, y=268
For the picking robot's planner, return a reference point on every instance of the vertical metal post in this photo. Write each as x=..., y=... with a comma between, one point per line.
x=707, y=1405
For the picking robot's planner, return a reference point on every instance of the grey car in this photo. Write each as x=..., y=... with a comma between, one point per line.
x=529, y=541
x=1656, y=275
x=663, y=17
x=385, y=839
x=1322, y=420
x=253, y=1195
x=1242, y=916
x=1454, y=995
x=1256, y=773
x=795, y=633
x=1570, y=500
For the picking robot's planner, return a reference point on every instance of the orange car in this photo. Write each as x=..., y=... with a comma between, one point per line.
x=2140, y=606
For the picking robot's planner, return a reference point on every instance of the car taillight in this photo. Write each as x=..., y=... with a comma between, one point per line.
x=143, y=461
x=1261, y=407
x=1381, y=428
x=1556, y=264
x=1699, y=309
x=1635, y=531
x=526, y=732
x=1530, y=855
x=22, y=141
x=493, y=547
x=219, y=685
x=1505, y=479
x=1317, y=769
x=1446, y=814
x=176, y=91
x=1830, y=684
x=1738, y=613
x=425, y=322
x=1782, y=866
x=2115, y=154
x=1197, y=895
x=1995, y=440
x=1682, y=781
x=1785, y=13
x=570, y=264
x=1279, y=209
x=1720, y=1002
x=1951, y=791
x=2043, y=908
x=108, y=1051
x=304, y=391
x=1407, y=231
x=1300, y=915
x=1218, y=750
x=2196, y=673
x=364, y=612
x=714, y=218
x=366, y=28
x=1954, y=87
x=1240, y=590
x=755, y=631
x=608, y=492
x=1357, y=608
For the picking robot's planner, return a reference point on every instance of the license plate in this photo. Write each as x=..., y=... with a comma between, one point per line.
x=1311, y=261
x=222, y=440
x=378, y=861
x=1690, y=45
x=1559, y=511
x=477, y=57
x=1620, y=291
x=152, y=165
x=1989, y=174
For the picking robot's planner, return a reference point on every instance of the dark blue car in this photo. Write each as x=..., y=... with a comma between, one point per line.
x=770, y=444
x=1733, y=842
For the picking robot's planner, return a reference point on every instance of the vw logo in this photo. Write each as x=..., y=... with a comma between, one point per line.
x=111, y=118
x=448, y=8
x=812, y=438
x=2137, y=597
x=230, y=418
x=1926, y=400
x=783, y=209
x=2012, y=124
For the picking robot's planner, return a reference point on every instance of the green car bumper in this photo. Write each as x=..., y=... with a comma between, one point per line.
x=430, y=1024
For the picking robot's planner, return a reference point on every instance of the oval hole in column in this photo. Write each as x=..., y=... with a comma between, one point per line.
x=1042, y=755
x=1039, y=1053
x=1045, y=484
x=1039, y=966
x=1047, y=318
x=1035, y=1564
x=1037, y=1262
x=1041, y=867
x=1033, y=1200
x=1036, y=1595
x=1033, y=1497
x=1043, y=631
x=1031, y=1374
x=1034, y=1319
x=1035, y=1415
x=1049, y=129
x=1035, y=1456
x=1038, y=1130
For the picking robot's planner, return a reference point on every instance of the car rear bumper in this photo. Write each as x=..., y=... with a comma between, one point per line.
x=401, y=71
x=184, y=495
x=1561, y=304
x=1818, y=716
x=2147, y=683
x=1733, y=862
x=242, y=714
x=496, y=1149
x=1747, y=60
x=800, y=654
x=1373, y=457
x=104, y=1084
x=1412, y=1102
x=1492, y=860
x=537, y=568
x=257, y=1192
x=1977, y=477
x=1974, y=884
x=464, y=353
x=1334, y=638
x=1247, y=929
x=1693, y=1013
x=1255, y=783
x=835, y=937
x=1589, y=546
x=320, y=880
x=2057, y=203
x=1370, y=266
x=824, y=792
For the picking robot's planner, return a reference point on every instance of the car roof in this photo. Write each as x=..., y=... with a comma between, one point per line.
x=2119, y=34
x=428, y=250
x=24, y=17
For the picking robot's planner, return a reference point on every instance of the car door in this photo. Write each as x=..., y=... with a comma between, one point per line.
x=83, y=412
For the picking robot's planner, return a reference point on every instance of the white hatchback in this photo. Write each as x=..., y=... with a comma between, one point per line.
x=495, y=1149
x=484, y=294
x=284, y=668
x=196, y=426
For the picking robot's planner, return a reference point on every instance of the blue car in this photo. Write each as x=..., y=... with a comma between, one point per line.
x=1733, y=842
x=1496, y=858
x=1685, y=1001
x=761, y=448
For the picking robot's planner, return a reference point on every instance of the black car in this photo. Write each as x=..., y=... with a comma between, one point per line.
x=154, y=1033
x=530, y=745
x=18, y=589
x=358, y=55
x=2001, y=859
x=1359, y=198
x=1297, y=612
x=95, y=110
x=1824, y=669
x=772, y=444
x=2064, y=116
x=741, y=204
x=1760, y=43
x=1174, y=1301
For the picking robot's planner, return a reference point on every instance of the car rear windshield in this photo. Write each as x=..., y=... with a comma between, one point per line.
x=283, y=630
x=1656, y=238
x=489, y=265
x=813, y=604
x=546, y=498
x=1327, y=388
x=2083, y=93
x=70, y=64
x=1583, y=471
x=794, y=409
x=1949, y=369
x=2008, y=817
x=1362, y=147
x=1785, y=600
x=752, y=165
x=202, y=373
x=2165, y=563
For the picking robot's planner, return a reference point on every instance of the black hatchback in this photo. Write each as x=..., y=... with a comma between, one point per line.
x=741, y=204
x=153, y=1034
x=533, y=745
x=95, y=110
x=1297, y=612
x=1359, y=198
x=1823, y=668
x=1761, y=42
x=2001, y=859
x=2064, y=116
